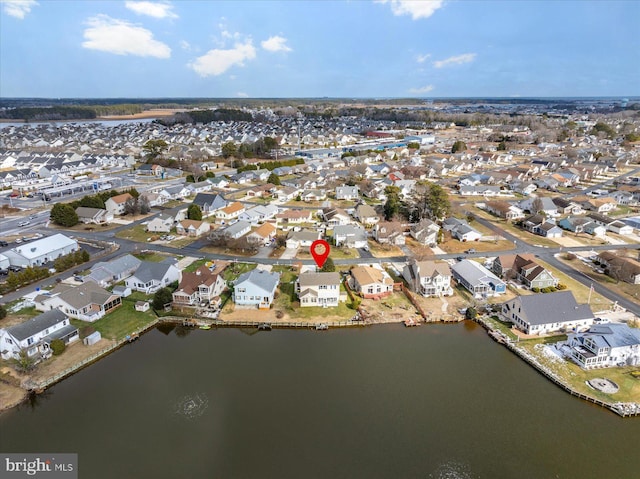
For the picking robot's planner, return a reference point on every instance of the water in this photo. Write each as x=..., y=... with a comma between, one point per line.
x=439, y=401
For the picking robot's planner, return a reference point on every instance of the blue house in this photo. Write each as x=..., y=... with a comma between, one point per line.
x=256, y=288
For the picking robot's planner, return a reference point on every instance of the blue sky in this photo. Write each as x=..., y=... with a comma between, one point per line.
x=357, y=48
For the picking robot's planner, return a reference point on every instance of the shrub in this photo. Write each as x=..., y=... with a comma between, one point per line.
x=535, y=290
x=546, y=290
x=3, y=312
x=355, y=303
x=471, y=313
x=561, y=286
x=57, y=346
x=569, y=256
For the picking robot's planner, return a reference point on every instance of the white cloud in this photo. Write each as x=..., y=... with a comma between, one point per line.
x=111, y=35
x=216, y=62
x=152, y=9
x=18, y=8
x=276, y=44
x=456, y=60
x=416, y=8
x=421, y=90
x=242, y=94
x=423, y=58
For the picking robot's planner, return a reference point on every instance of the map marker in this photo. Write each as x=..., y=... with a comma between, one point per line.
x=320, y=251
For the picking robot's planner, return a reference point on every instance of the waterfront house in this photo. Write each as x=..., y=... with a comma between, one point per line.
x=319, y=289
x=198, y=286
x=255, y=288
x=428, y=278
x=370, y=282
x=151, y=276
x=106, y=273
x=87, y=302
x=543, y=313
x=477, y=279
x=605, y=345
x=42, y=251
x=115, y=205
x=34, y=335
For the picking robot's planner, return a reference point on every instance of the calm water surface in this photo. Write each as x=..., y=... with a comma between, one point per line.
x=441, y=401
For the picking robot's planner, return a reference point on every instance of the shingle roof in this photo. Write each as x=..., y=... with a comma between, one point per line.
x=35, y=325
x=263, y=279
x=316, y=279
x=553, y=308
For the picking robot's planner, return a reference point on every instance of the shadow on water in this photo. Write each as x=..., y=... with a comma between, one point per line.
x=35, y=400
x=166, y=328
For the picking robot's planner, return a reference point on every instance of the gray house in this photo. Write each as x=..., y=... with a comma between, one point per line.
x=150, y=277
x=107, y=273
x=255, y=288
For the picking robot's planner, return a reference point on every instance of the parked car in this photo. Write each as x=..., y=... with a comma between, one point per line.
x=23, y=223
x=15, y=269
x=3, y=243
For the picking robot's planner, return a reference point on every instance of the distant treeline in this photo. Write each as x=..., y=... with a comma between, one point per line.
x=68, y=112
x=206, y=116
x=271, y=165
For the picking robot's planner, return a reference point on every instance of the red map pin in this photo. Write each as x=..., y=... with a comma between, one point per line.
x=320, y=251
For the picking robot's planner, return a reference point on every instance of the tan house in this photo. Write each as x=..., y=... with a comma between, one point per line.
x=230, y=212
x=199, y=286
x=319, y=289
x=263, y=235
x=371, y=282
x=192, y=228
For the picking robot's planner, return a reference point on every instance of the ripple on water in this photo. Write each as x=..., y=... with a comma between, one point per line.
x=192, y=406
x=452, y=470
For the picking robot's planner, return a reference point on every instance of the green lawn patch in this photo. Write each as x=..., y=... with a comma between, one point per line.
x=234, y=270
x=137, y=233
x=124, y=320
x=195, y=265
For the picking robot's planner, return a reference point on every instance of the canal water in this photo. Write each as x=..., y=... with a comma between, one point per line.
x=439, y=401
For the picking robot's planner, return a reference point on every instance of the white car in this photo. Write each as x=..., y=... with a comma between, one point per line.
x=23, y=223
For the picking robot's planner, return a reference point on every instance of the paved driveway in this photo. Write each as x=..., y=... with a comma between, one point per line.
x=289, y=253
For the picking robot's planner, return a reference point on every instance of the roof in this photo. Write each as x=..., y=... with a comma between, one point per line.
x=233, y=208
x=316, y=279
x=432, y=268
x=35, y=325
x=369, y=275
x=87, y=293
x=149, y=270
x=45, y=246
x=616, y=335
x=265, y=230
x=120, y=198
x=557, y=307
x=190, y=281
x=85, y=212
x=262, y=279
x=474, y=273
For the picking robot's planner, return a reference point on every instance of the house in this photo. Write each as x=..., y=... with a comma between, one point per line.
x=545, y=313
x=116, y=204
x=192, y=228
x=209, y=202
x=105, y=274
x=150, y=170
x=523, y=268
x=388, y=232
x=161, y=223
x=87, y=302
x=428, y=278
x=366, y=215
x=347, y=193
x=34, y=335
x=294, y=217
x=150, y=276
x=42, y=251
x=350, y=236
x=504, y=210
x=540, y=204
x=605, y=346
x=263, y=235
x=198, y=286
x=477, y=279
x=319, y=289
x=262, y=191
x=599, y=205
x=538, y=224
x=567, y=207
x=153, y=199
x=314, y=195
x=425, y=232
x=255, y=288
x=620, y=267
x=259, y=214
x=230, y=212
x=620, y=228
x=301, y=239
x=580, y=225
x=370, y=282
x=95, y=216
x=461, y=230
x=333, y=217
x=200, y=187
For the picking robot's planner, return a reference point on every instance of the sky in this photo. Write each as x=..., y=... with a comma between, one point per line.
x=321, y=48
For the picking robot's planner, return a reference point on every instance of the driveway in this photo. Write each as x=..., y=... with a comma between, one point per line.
x=365, y=253
x=263, y=252
x=289, y=253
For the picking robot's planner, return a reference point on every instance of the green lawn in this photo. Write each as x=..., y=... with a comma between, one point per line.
x=135, y=233
x=124, y=320
x=195, y=265
x=236, y=269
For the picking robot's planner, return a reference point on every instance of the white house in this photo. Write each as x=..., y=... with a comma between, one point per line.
x=151, y=276
x=87, y=302
x=605, y=345
x=115, y=204
x=256, y=288
x=34, y=336
x=428, y=278
x=318, y=289
x=42, y=251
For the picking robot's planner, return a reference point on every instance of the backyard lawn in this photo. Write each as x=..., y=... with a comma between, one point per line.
x=124, y=320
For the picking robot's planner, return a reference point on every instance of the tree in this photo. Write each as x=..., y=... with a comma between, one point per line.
x=458, y=146
x=57, y=346
x=92, y=201
x=229, y=149
x=163, y=296
x=3, y=311
x=438, y=202
x=274, y=179
x=154, y=148
x=143, y=205
x=24, y=363
x=502, y=146
x=194, y=213
x=64, y=215
x=328, y=266
x=414, y=145
x=131, y=206
x=393, y=203
x=471, y=313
